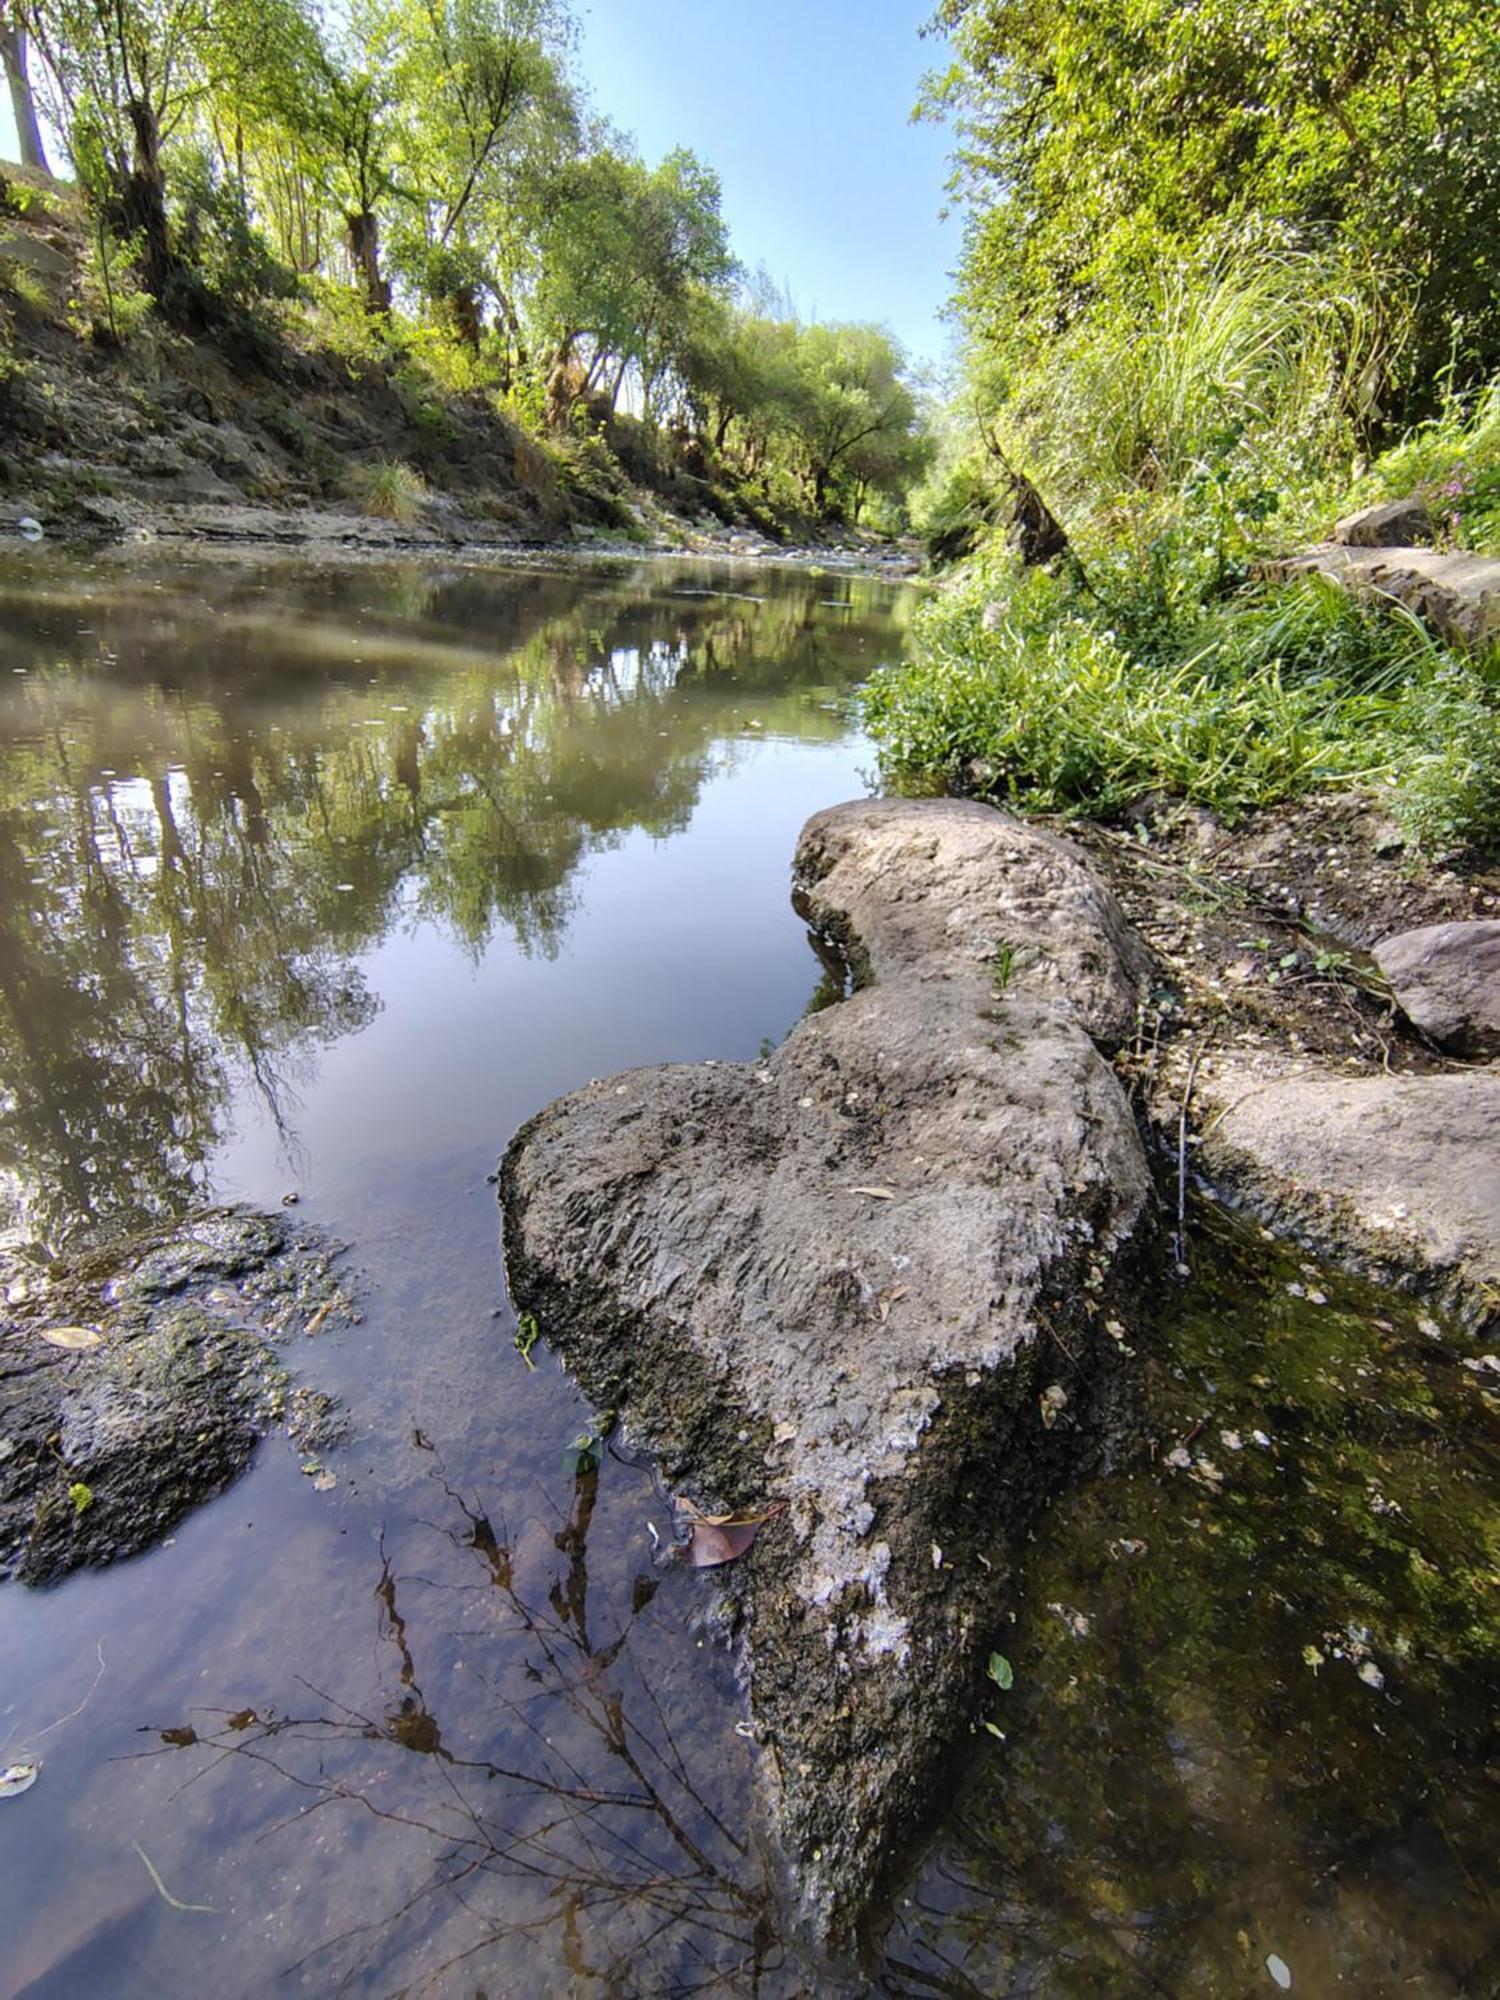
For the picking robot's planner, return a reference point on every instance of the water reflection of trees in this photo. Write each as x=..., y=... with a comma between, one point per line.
x=559, y=1795
x=216, y=799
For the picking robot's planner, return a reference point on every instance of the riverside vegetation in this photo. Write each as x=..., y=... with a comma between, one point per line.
x=391, y=256
x=1228, y=272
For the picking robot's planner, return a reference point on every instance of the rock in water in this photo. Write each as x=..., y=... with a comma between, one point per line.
x=1446, y=979
x=1401, y=1173
x=850, y=1278
x=136, y=1378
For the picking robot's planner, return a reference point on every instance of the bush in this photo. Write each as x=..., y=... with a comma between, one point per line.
x=388, y=489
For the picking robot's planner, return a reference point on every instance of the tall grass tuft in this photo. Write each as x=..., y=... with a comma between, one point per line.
x=388, y=489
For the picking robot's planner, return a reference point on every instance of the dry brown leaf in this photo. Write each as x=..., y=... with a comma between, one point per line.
x=876, y=1193
x=319, y=1318
x=720, y=1538
x=74, y=1338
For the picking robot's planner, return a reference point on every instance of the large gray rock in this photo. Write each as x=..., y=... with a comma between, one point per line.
x=1402, y=1171
x=884, y=1277
x=1457, y=594
x=136, y=1379
x=1390, y=524
x=1446, y=980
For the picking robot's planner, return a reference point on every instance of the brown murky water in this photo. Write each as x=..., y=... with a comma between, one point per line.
x=324, y=883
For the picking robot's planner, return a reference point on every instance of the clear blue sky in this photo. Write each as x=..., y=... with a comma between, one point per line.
x=803, y=107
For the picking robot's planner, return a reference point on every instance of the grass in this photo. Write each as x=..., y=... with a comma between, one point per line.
x=1023, y=688
x=1178, y=432
x=388, y=489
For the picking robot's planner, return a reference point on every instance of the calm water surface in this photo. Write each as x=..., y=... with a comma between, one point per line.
x=324, y=883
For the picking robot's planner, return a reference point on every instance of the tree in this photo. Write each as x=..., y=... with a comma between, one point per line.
x=13, y=54
x=859, y=421
x=1098, y=139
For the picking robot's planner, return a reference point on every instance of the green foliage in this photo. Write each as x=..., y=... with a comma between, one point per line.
x=1453, y=463
x=1024, y=687
x=1096, y=140
x=420, y=187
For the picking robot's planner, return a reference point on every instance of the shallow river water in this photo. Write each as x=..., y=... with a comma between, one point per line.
x=321, y=883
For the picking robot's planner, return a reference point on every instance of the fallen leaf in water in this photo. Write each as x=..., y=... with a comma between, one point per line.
x=876, y=1193
x=324, y=1482
x=720, y=1538
x=1001, y=1672
x=19, y=1777
x=74, y=1338
x=245, y=1718
x=320, y=1318
x=180, y=1739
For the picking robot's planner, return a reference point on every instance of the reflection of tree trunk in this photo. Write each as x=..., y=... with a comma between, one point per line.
x=363, y=228
x=145, y=203
x=22, y=103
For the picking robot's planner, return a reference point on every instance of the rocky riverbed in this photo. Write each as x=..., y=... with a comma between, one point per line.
x=890, y=1280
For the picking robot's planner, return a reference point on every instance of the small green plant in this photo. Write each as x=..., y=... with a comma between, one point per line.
x=528, y=1333
x=388, y=489
x=81, y=1496
x=586, y=1453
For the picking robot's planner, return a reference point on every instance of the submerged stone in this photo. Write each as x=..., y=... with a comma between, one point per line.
x=1401, y=1171
x=885, y=1277
x=135, y=1380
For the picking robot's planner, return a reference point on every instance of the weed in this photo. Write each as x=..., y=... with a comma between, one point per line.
x=387, y=489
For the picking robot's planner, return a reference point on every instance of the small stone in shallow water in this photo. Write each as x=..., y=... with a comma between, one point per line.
x=1280, y=1971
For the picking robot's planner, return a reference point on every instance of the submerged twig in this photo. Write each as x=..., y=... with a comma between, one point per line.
x=161, y=1888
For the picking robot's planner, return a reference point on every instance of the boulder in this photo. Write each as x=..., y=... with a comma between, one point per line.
x=1446, y=980
x=136, y=1379
x=885, y=1278
x=1457, y=594
x=1390, y=524
x=1401, y=1172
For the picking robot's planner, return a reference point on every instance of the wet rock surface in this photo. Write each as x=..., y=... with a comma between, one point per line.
x=886, y=1277
x=1398, y=1173
x=1446, y=979
x=136, y=1379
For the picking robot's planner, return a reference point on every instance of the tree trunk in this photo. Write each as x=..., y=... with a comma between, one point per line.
x=363, y=229
x=22, y=103
x=145, y=200
x=463, y=303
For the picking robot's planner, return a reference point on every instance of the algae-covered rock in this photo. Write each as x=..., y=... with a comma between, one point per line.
x=136, y=1379
x=885, y=1277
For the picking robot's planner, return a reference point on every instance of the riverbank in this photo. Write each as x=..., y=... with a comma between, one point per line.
x=287, y=428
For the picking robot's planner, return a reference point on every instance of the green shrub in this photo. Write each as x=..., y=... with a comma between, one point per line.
x=1021, y=687
x=388, y=489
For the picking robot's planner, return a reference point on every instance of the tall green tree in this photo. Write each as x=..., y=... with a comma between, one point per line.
x=1098, y=137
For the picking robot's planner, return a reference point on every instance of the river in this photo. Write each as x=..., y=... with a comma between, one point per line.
x=318, y=884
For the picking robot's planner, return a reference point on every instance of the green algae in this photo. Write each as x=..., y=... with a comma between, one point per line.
x=1257, y=1681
